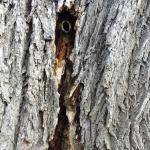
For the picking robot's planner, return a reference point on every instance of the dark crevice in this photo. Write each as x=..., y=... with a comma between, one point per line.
x=41, y=113
x=64, y=40
x=77, y=116
x=28, y=8
x=61, y=132
x=5, y=106
x=11, y=6
x=45, y=81
x=130, y=136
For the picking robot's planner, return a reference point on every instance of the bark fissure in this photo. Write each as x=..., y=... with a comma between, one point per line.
x=4, y=111
x=68, y=119
x=25, y=82
x=45, y=81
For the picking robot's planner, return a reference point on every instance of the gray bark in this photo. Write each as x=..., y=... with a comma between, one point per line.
x=105, y=92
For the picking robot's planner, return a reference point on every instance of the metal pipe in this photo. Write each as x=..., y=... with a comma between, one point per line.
x=66, y=26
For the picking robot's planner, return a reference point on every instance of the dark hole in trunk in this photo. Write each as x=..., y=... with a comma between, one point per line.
x=64, y=40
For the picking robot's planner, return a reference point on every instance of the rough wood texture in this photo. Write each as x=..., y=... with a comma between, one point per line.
x=109, y=77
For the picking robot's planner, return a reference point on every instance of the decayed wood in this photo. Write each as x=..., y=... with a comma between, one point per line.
x=110, y=63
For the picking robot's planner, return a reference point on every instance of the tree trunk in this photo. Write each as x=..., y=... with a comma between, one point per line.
x=75, y=75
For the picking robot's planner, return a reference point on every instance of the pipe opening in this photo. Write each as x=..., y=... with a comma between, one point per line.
x=66, y=26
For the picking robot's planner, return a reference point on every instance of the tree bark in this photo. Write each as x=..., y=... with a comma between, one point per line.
x=75, y=74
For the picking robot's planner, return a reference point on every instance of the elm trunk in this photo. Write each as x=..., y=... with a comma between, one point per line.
x=74, y=75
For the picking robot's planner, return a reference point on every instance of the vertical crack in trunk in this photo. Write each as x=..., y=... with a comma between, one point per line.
x=67, y=133
x=24, y=77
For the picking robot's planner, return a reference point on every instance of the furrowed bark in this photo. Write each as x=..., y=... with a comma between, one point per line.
x=84, y=88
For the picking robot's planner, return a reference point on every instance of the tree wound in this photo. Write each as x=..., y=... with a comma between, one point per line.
x=68, y=117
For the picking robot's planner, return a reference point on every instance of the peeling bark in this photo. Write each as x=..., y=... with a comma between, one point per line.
x=83, y=86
